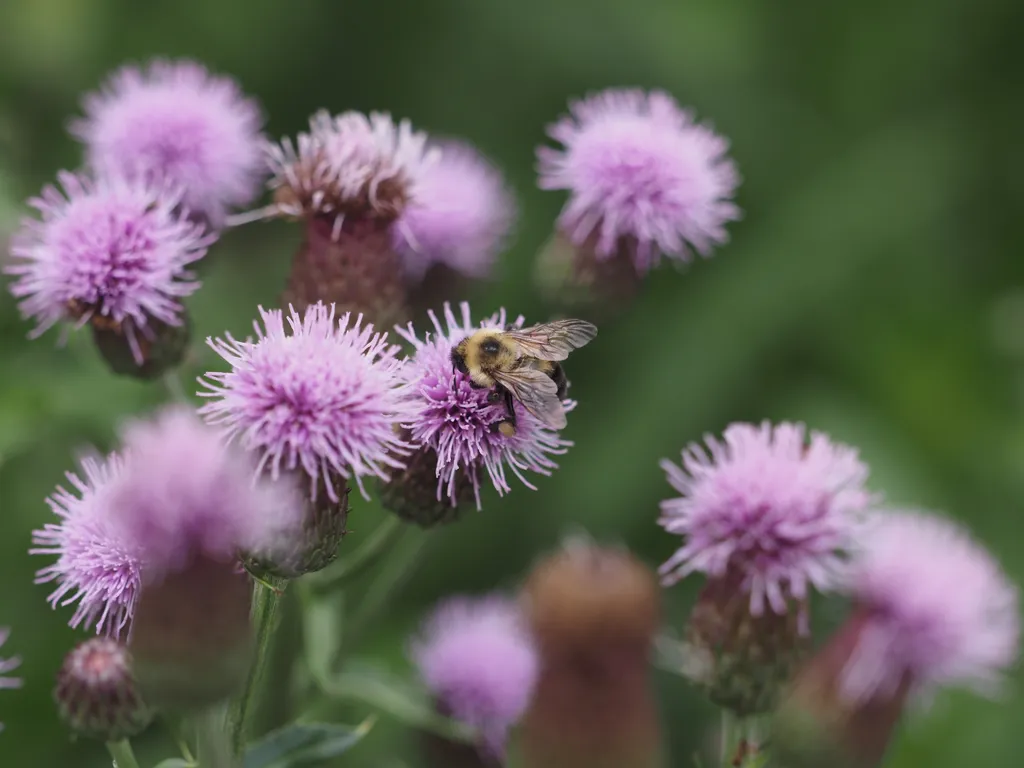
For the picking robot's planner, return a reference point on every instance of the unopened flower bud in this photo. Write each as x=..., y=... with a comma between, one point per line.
x=96, y=693
x=414, y=493
x=144, y=354
x=593, y=613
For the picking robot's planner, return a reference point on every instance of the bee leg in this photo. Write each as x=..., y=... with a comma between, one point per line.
x=508, y=426
x=495, y=396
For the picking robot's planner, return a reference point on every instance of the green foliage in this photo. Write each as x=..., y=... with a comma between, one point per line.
x=879, y=144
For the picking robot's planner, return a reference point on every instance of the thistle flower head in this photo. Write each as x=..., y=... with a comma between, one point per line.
x=7, y=666
x=939, y=609
x=348, y=165
x=175, y=121
x=97, y=567
x=111, y=252
x=324, y=398
x=457, y=421
x=767, y=506
x=461, y=215
x=96, y=694
x=181, y=494
x=639, y=169
x=478, y=660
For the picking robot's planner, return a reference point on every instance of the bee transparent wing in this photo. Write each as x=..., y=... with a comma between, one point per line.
x=537, y=392
x=553, y=341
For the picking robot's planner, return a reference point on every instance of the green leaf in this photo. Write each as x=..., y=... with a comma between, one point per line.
x=395, y=696
x=176, y=762
x=304, y=744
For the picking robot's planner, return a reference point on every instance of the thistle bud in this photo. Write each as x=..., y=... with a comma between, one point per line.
x=739, y=658
x=96, y=693
x=573, y=278
x=145, y=354
x=593, y=612
x=316, y=547
x=415, y=495
x=192, y=638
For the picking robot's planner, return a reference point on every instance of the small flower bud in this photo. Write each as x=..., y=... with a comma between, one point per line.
x=145, y=354
x=593, y=613
x=415, y=496
x=742, y=660
x=191, y=636
x=96, y=693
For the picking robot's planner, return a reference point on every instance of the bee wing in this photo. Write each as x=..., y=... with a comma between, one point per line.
x=553, y=341
x=537, y=392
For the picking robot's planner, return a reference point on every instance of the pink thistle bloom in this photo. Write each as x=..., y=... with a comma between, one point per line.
x=346, y=165
x=181, y=493
x=176, y=122
x=479, y=661
x=97, y=568
x=112, y=251
x=324, y=398
x=461, y=215
x=455, y=419
x=938, y=609
x=765, y=504
x=640, y=172
x=7, y=666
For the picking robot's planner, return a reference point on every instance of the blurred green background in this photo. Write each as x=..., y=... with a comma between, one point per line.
x=872, y=288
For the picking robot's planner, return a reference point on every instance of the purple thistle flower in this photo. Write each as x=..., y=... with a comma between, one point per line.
x=455, y=419
x=7, y=666
x=460, y=217
x=640, y=171
x=477, y=658
x=346, y=165
x=175, y=122
x=107, y=252
x=324, y=398
x=938, y=609
x=768, y=506
x=97, y=567
x=181, y=493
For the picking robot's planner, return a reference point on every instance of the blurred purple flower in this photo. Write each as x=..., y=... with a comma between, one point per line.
x=7, y=666
x=455, y=419
x=477, y=658
x=181, y=493
x=640, y=171
x=112, y=251
x=938, y=609
x=176, y=122
x=460, y=217
x=768, y=506
x=96, y=566
x=348, y=164
x=325, y=398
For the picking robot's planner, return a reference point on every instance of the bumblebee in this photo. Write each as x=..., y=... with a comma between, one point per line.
x=524, y=365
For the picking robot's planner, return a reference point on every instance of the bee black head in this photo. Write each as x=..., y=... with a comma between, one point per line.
x=490, y=347
x=458, y=361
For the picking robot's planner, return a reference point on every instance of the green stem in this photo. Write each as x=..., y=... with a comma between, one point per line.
x=397, y=569
x=266, y=600
x=368, y=553
x=122, y=753
x=213, y=747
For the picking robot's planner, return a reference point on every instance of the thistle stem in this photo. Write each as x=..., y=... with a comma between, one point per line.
x=266, y=600
x=369, y=552
x=213, y=747
x=122, y=753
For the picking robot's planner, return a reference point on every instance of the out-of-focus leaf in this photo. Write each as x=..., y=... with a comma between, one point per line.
x=322, y=627
x=394, y=696
x=176, y=762
x=304, y=744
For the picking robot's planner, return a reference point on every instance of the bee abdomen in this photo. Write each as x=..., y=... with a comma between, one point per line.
x=557, y=374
